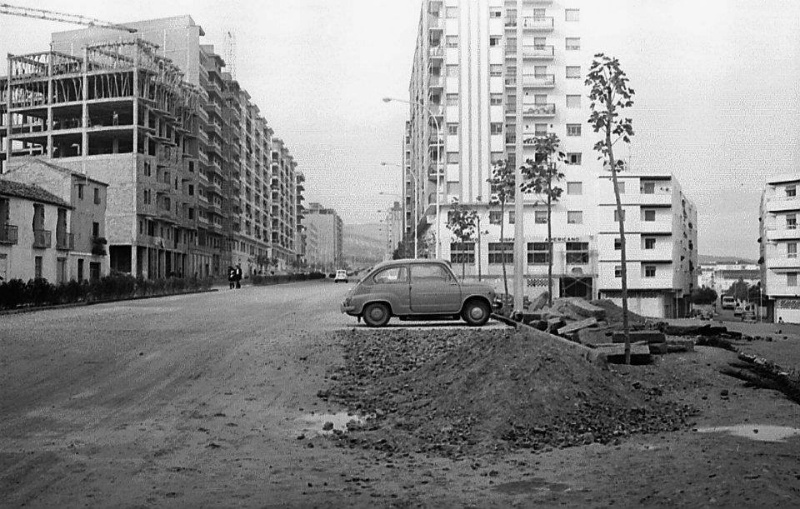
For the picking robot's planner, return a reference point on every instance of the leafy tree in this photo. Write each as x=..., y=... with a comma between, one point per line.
x=539, y=175
x=502, y=183
x=461, y=222
x=609, y=93
x=704, y=295
x=739, y=290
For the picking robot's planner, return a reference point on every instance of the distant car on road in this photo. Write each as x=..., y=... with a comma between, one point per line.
x=728, y=302
x=418, y=290
x=738, y=311
x=341, y=275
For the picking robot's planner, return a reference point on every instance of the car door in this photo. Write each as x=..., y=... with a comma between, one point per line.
x=392, y=284
x=434, y=289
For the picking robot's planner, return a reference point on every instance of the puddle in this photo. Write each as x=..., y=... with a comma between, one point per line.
x=325, y=424
x=762, y=433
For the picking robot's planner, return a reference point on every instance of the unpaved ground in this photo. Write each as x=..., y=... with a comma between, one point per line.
x=207, y=401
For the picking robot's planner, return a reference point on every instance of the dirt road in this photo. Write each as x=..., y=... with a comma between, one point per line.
x=211, y=400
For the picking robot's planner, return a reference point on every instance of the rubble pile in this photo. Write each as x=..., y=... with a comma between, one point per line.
x=452, y=393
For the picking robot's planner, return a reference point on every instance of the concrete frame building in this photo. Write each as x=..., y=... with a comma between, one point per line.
x=329, y=234
x=780, y=237
x=488, y=77
x=187, y=155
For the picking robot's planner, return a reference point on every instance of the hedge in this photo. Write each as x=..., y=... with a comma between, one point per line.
x=257, y=279
x=116, y=286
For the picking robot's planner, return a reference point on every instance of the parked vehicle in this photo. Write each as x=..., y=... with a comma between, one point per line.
x=418, y=290
x=738, y=311
x=728, y=302
x=341, y=275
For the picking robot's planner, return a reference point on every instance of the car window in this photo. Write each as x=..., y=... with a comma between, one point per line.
x=392, y=275
x=428, y=273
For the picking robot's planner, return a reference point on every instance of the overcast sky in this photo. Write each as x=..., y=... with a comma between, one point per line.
x=716, y=86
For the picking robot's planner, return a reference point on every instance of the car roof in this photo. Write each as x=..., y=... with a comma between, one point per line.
x=410, y=261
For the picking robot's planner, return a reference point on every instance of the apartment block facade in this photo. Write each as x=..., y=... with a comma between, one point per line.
x=488, y=77
x=780, y=237
x=188, y=157
x=329, y=228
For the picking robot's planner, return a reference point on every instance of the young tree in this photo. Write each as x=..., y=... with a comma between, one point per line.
x=539, y=175
x=609, y=93
x=461, y=222
x=704, y=295
x=502, y=184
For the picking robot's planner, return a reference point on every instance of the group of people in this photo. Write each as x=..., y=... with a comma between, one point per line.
x=235, y=276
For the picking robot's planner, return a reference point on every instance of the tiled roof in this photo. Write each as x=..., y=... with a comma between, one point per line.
x=30, y=192
x=28, y=160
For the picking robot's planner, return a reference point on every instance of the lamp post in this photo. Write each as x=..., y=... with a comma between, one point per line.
x=416, y=188
x=438, y=170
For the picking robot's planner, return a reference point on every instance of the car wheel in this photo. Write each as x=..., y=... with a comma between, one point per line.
x=476, y=312
x=376, y=315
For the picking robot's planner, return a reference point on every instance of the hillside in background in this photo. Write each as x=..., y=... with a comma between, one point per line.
x=363, y=244
x=707, y=259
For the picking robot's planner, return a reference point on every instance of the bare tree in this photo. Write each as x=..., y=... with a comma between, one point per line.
x=461, y=222
x=502, y=182
x=609, y=94
x=539, y=175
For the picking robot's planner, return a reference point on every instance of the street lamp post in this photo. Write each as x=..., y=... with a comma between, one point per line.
x=416, y=189
x=438, y=171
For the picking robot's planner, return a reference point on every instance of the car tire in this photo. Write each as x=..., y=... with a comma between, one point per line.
x=476, y=313
x=376, y=314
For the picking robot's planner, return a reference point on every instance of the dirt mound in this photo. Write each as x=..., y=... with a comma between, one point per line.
x=614, y=312
x=487, y=390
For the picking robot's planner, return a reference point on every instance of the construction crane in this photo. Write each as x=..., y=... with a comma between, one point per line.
x=60, y=16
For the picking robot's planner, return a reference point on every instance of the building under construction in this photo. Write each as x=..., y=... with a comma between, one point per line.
x=196, y=180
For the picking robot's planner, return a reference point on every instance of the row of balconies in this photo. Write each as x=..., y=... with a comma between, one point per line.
x=42, y=239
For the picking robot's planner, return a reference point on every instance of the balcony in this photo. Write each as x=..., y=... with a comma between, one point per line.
x=783, y=203
x=538, y=24
x=42, y=239
x=539, y=110
x=8, y=234
x=783, y=262
x=65, y=241
x=436, y=52
x=539, y=80
x=538, y=52
x=783, y=232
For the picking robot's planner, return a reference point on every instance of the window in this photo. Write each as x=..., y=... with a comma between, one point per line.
x=495, y=12
x=451, y=41
x=791, y=250
x=191, y=189
x=453, y=158
x=97, y=196
x=573, y=43
x=538, y=253
x=618, y=271
x=191, y=213
x=80, y=191
x=573, y=71
x=496, y=70
x=574, y=217
x=80, y=269
x=494, y=40
x=573, y=129
x=452, y=129
x=573, y=101
x=649, y=271
x=511, y=217
x=500, y=250
x=392, y=275
x=495, y=217
x=37, y=268
x=452, y=99
x=540, y=129
x=648, y=187
x=496, y=127
x=146, y=197
x=95, y=229
x=572, y=14
x=573, y=158
x=791, y=221
x=648, y=215
x=616, y=216
x=147, y=170
x=620, y=186
x=791, y=277
x=574, y=187
x=791, y=191
x=649, y=243
x=462, y=252
x=617, y=244
x=496, y=99
x=451, y=12
x=540, y=217
x=578, y=253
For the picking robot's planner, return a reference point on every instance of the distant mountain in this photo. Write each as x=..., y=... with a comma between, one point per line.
x=364, y=244
x=704, y=259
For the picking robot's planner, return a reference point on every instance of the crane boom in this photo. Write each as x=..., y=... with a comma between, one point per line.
x=60, y=16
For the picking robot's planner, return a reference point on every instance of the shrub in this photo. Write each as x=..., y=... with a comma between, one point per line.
x=39, y=292
x=12, y=293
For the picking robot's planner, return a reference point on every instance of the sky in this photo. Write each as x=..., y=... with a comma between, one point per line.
x=717, y=97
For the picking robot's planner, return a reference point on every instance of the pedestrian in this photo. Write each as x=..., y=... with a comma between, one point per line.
x=238, y=275
x=231, y=277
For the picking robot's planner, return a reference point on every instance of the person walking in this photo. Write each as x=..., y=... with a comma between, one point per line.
x=238, y=276
x=231, y=277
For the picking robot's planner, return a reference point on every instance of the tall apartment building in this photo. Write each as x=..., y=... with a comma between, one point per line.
x=780, y=236
x=187, y=155
x=487, y=78
x=329, y=236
